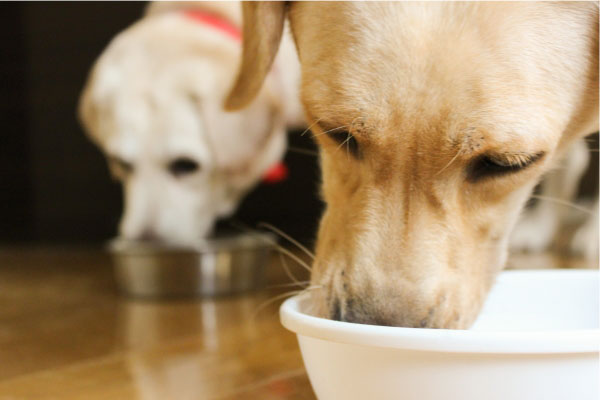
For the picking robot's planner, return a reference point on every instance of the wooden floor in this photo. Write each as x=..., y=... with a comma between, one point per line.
x=65, y=333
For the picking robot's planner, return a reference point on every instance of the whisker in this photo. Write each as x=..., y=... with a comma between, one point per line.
x=330, y=130
x=288, y=271
x=310, y=126
x=350, y=136
x=287, y=237
x=292, y=284
x=301, y=150
x=272, y=300
x=293, y=257
x=348, y=148
x=450, y=162
x=564, y=203
x=279, y=248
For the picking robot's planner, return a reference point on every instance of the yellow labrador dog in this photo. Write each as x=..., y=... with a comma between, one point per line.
x=435, y=121
x=153, y=104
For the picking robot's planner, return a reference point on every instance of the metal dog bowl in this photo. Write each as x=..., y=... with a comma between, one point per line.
x=219, y=266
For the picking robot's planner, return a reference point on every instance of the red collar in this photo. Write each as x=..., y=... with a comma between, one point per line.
x=276, y=173
x=215, y=22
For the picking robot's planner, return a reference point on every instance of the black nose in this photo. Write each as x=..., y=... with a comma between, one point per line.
x=148, y=235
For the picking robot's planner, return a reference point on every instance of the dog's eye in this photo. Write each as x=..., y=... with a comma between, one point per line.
x=488, y=166
x=182, y=166
x=345, y=140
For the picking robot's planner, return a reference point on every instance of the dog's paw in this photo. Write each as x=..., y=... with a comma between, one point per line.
x=585, y=240
x=534, y=232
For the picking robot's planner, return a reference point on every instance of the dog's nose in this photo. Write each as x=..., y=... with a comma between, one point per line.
x=148, y=235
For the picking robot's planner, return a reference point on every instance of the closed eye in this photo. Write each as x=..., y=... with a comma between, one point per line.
x=345, y=140
x=490, y=165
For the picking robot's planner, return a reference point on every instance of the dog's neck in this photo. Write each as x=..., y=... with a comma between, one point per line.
x=214, y=21
x=279, y=171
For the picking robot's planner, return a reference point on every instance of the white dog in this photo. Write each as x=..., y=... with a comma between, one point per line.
x=153, y=104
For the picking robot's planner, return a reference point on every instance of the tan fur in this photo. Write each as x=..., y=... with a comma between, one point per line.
x=253, y=71
x=427, y=88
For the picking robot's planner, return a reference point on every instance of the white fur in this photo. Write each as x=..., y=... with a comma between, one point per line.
x=155, y=95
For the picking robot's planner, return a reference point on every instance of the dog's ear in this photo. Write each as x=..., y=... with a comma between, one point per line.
x=263, y=27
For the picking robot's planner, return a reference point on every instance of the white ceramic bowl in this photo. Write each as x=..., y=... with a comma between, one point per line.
x=537, y=338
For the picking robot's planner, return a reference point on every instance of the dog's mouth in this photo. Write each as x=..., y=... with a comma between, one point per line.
x=223, y=229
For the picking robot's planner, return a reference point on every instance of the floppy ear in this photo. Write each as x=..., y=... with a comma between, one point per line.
x=263, y=27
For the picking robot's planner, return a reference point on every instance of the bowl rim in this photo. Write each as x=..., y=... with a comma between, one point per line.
x=229, y=243
x=447, y=340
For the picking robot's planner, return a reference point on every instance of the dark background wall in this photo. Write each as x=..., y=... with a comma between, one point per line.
x=54, y=185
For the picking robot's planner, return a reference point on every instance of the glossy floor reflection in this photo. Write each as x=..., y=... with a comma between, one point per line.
x=65, y=333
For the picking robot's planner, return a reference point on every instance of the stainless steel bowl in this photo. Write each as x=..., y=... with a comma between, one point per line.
x=219, y=266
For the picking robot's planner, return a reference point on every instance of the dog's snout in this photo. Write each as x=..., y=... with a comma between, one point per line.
x=356, y=311
x=360, y=310
x=148, y=235
x=336, y=311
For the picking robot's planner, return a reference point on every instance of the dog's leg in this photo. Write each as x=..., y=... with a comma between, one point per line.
x=538, y=226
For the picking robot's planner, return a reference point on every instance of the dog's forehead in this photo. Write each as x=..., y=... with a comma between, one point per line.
x=367, y=61
x=400, y=67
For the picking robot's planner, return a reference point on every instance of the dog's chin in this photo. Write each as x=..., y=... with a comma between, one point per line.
x=185, y=236
x=163, y=241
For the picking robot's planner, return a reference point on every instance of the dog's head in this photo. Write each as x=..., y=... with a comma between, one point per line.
x=153, y=104
x=435, y=121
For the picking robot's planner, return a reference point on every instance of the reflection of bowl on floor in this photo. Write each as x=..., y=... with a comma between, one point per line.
x=223, y=265
x=537, y=337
